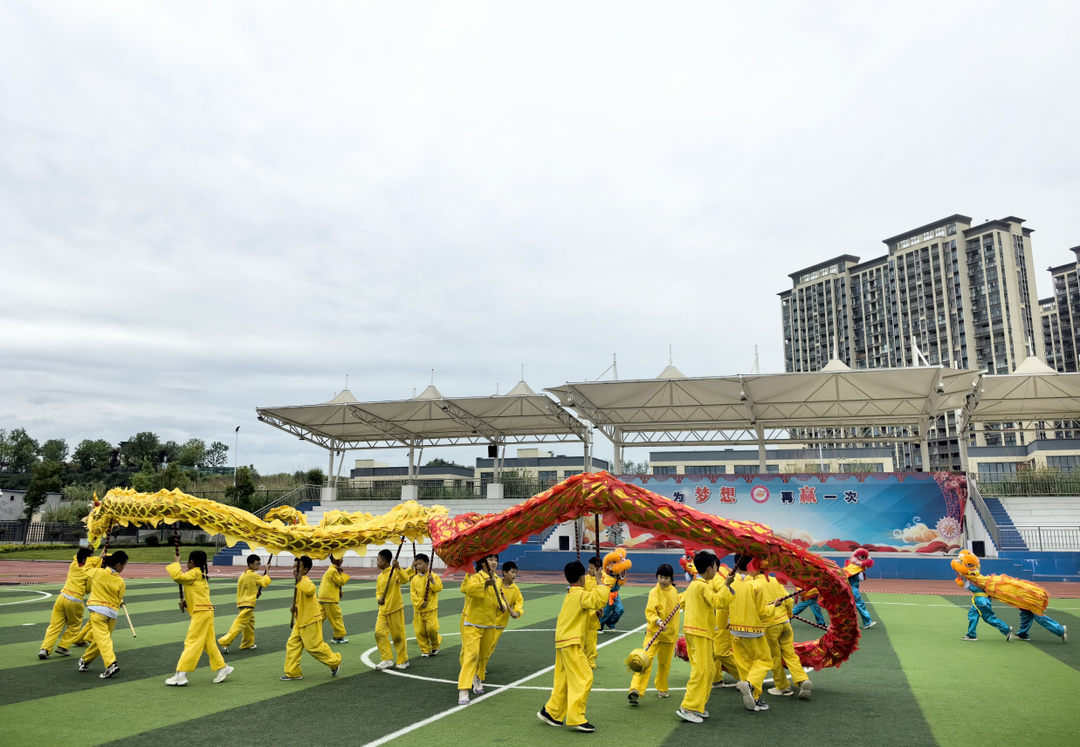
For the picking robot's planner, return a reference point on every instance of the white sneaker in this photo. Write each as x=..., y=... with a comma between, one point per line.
x=384, y=664
x=177, y=680
x=804, y=689
x=778, y=691
x=870, y=625
x=463, y=697
x=1064, y=633
x=663, y=694
x=424, y=656
x=690, y=716
x=223, y=673
x=747, y=695
x=402, y=666
x=477, y=686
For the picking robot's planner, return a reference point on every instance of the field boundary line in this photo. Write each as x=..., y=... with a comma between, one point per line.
x=35, y=599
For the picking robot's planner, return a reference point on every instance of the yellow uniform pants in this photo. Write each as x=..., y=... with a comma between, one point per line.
x=83, y=636
x=332, y=612
x=65, y=614
x=487, y=648
x=724, y=658
x=101, y=628
x=200, y=637
x=573, y=681
x=476, y=643
x=662, y=652
x=243, y=626
x=308, y=638
x=754, y=660
x=426, y=627
x=391, y=628
x=782, y=649
x=588, y=644
x=699, y=686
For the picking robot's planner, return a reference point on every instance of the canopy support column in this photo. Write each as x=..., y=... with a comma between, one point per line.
x=762, y=457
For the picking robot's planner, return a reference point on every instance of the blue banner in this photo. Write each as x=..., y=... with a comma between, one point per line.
x=887, y=512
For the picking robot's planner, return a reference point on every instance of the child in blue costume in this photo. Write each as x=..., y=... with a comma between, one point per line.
x=808, y=598
x=614, y=609
x=857, y=563
x=980, y=605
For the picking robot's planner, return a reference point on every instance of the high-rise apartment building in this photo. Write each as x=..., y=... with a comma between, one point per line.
x=946, y=293
x=1066, y=352
x=1051, y=331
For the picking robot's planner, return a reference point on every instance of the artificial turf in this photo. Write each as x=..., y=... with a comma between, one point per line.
x=912, y=682
x=136, y=553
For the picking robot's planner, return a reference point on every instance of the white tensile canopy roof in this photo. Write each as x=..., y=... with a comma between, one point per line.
x=761, y=408
x=1033, y=392
x=429, y=419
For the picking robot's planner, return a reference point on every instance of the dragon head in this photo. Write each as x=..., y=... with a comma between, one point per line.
x=966, y=565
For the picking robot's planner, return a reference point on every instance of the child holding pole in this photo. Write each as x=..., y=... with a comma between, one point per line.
x=330, y=598
x=306, y=632
x=661, y=633
x=106, y=596
x=482, y=606
x=247, y=593
x=390, y=622
x=67, y=611
x=424, y=593
x=513, y=605
x=200, y=635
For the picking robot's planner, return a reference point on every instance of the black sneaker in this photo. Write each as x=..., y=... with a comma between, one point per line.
x=586, y=727
x=84, y=665
x=287, y=678
x=110, y=671
x=760, y=705
x=544, y=716
x=1018, y=637
x=1009, y=635
x=335, y=670
x=633, y=697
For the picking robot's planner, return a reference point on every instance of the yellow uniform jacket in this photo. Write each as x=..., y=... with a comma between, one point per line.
x=389, y=592
x=196, y=587
x=78, y=578
x=574, y=615
x=746, y=607
x=108, y=589
x=247, y=588
x=661, y=603
x=308, y=609
x=419, y=583
x=701, y=600
x=772, y=589
x=332, y=581
x=481, y=606
x=514, y=601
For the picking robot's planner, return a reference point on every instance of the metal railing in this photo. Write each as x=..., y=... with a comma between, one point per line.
x=1051, y=538
x=375, y=491
x=1029, y=483
x=293, y=497
x=983, y=510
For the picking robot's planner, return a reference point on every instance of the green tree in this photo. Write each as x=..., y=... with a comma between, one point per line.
x=172, y=451
x=46, y=479
x=443, y=463
x=217, y=454
x=240, y=495
x=5, y=450
x=55, y=450
x=24, y=451
x=315, y=477
x=93, y=454
x=140, y=448
x=635, y=468
x=192, y=453
x=146, y=479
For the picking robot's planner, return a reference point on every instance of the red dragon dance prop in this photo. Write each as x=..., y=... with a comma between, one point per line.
x=461, y=540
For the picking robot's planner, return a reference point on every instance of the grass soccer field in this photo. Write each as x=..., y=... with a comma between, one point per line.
x=912, y=682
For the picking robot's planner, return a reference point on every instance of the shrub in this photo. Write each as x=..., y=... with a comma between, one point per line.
x=151, y=540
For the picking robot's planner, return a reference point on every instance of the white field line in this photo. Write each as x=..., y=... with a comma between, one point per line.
x=914, y=604
x=45, y=594
x=455, y=709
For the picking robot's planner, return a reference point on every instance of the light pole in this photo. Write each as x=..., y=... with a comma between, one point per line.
x=236, y=456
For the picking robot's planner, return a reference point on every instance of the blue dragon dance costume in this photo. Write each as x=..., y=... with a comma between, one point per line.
x=611, y=613
x=855, y=575
x=980, y=606
x=1027, y=617
x=812, y=603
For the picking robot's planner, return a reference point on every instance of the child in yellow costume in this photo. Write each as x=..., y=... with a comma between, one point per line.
x=424, y=591
x=330, y=598
x=663, y=605
x=247, y=593
x=701, y=599
x=390, y=622
x=513, y=606
x=573, y=677
x=781, y=640
x=106, y=596
x=722, y=646
x=200, y=635
x=593, y=626
x=67, y=611
x=746, y=609
x=306, y=632
x=482, y=607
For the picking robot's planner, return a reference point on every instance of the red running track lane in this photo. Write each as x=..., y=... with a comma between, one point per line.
x=18, y=572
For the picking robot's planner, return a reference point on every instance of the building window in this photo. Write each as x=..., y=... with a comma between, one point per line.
x=551, y=475
x=711, y=469
x=992, y=468
x=663, y=470
x=1064, y=463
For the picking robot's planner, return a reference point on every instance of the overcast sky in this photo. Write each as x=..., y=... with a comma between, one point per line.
x=208, y=207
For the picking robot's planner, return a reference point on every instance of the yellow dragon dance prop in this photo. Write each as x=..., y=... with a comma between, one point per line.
x=462, y=539
x=337, y=532
x=1014, y=592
